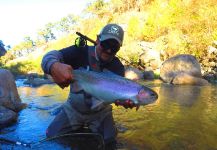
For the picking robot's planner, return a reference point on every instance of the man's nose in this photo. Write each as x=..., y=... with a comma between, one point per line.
x=109, y=50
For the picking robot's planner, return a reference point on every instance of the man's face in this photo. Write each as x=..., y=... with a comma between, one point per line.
x=107, y=49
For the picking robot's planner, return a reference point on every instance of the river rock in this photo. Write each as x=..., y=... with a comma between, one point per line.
x=10, y=102
x=9, y=96
x=181, y=65
x=184, y=78
x=150, y=56
x=7, y=117
x=133, y=73
x=148, y=75
x=36, y=82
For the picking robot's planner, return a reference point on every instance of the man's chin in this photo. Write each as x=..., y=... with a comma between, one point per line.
x=106, y=59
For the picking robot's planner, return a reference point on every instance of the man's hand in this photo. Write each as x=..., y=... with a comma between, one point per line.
x=126, y=104
x=62, y=74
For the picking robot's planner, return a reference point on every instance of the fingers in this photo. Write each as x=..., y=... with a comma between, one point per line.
x=62, y=86
x=126, y=104
x=62, y=74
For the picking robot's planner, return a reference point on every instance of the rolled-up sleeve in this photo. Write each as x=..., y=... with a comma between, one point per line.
x=49, y=59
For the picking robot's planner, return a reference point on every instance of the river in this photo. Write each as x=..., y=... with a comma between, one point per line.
x=183, y=118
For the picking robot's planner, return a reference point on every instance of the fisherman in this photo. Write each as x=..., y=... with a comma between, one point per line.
x=82, y=109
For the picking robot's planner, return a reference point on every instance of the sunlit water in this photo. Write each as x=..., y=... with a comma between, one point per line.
x=183, y=118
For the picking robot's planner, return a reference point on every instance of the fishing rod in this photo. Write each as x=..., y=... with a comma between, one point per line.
x=101, y=146
x=81, y=41
x=84, y=37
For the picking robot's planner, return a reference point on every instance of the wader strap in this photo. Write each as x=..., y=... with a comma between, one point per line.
x=94, y=64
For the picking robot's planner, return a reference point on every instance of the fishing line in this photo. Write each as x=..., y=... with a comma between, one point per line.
x=31, y=145
x=7, y=141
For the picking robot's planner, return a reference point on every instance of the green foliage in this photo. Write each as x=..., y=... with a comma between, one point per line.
x=97, y=8
x=122, y=6
x=177, y=26
x=130, y=53
x=46, y=34
x=66, y=23
x=63, y=42
x=21, y=67
x=189, y=26
x=134, y=28
x=214, y=34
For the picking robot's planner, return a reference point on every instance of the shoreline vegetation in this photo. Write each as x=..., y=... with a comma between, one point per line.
x=168, y=27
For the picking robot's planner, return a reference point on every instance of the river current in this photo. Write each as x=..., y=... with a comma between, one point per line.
x=183, y=118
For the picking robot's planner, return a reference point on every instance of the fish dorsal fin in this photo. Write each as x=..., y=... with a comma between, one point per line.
x=108, y=72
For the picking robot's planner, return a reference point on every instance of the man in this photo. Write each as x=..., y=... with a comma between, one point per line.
x=81, y=109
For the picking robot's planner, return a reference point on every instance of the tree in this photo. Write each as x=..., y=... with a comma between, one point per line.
x=98, y=8
x=46, y=34
x=66, y=23
x=2, y=48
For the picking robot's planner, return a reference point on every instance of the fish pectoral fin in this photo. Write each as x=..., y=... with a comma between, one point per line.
x=76, y=88
x=97, y=103
x=79, y=92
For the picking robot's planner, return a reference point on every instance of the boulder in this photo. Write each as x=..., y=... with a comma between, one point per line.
x=150, y=58
x=36, y=82
x=9, y=97
x=7, y=117
x=184, y=78
x=133, y=73
x=183, y=67
x=10, y=102
x=148, y=75
x=172, y=93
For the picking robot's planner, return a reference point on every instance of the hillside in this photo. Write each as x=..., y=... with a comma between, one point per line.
x=177, y=26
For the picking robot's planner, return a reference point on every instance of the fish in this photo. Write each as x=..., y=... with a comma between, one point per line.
x=111, y=88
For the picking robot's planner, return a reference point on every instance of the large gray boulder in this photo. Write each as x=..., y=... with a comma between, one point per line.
x=7, y=117
x=36, y=82
x=150, y=58
x=133, y=73
x=10, y=101
x=9, y=96
x=182, y=69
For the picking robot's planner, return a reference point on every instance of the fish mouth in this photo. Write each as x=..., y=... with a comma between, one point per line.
x=145, y=96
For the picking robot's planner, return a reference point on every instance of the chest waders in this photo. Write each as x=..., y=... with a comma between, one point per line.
x=82, y=102
x=78, y=113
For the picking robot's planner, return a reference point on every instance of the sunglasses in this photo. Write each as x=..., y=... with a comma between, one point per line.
x=110, y=44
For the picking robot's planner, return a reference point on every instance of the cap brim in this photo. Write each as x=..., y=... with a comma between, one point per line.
x=106, y=37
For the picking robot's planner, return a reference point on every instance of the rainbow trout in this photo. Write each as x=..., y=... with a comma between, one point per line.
x=111, y=88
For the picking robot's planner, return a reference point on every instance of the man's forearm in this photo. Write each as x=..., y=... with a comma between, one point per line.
x=49, y=59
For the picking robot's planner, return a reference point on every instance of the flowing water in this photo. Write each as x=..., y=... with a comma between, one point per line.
x=183, y=118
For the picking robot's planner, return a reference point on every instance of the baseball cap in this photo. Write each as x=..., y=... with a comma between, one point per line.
x=112, y=31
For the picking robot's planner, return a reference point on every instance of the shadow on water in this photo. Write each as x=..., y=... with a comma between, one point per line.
x=43, y=104
x=183, y=95
x=183, y=118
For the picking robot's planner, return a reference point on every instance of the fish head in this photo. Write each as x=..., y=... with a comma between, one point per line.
x=146, y=96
